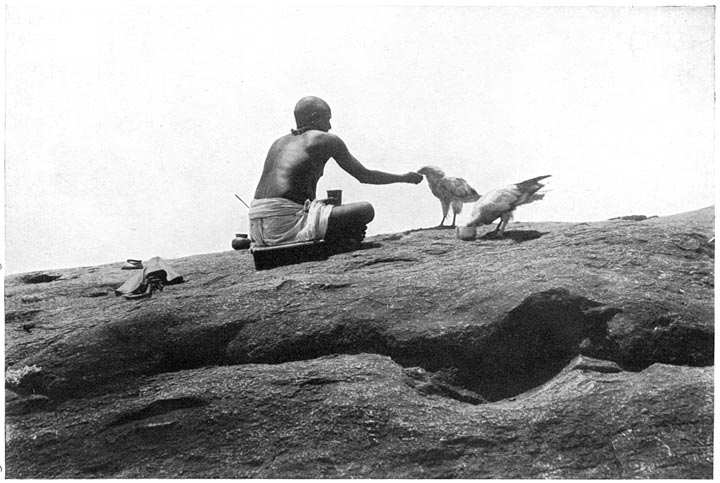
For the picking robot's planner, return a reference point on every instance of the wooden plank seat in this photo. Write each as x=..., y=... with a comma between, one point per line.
x=309, y=251
x=289, y=254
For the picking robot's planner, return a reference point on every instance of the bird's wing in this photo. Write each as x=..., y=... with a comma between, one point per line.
x=505, y=199
x=435, y=189
x=457, y=189
x=494, y=204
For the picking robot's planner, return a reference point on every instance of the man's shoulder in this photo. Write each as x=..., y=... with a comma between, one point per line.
x=326, y=141
x=307, y=138
x=321, y=136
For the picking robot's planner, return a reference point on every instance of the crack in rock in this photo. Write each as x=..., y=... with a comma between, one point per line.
x=156, y=408
x=40, y=278
x=381, y=260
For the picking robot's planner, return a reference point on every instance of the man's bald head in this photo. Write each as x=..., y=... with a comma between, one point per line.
x=310, y=109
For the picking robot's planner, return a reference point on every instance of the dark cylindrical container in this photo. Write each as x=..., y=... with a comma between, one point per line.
x=335, y=197
x=241, y=241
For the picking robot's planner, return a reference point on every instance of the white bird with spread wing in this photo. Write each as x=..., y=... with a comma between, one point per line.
x=451, y=191
x=501, y=203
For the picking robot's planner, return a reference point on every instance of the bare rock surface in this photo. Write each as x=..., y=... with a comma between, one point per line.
x=564, y=350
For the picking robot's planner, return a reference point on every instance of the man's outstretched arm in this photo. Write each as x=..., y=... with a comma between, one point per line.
x=339, y=152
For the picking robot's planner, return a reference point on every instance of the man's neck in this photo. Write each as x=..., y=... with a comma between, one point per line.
x=301, y=130
x=304, y=129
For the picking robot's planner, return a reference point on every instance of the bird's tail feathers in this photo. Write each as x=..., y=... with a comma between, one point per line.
x=540, y=178
x=535, y=197
x=533, y=181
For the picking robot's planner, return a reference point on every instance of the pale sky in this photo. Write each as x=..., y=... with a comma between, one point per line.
x=129, y=127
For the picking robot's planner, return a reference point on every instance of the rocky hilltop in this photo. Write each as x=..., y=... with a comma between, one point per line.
x=564, y=350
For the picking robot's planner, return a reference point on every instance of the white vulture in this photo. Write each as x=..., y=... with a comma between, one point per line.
x=501, y=202
x=451, y=191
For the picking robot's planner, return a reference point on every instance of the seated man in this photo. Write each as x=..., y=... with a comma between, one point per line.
x=285, y=208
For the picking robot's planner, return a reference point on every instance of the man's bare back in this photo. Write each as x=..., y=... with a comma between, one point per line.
x=294, y=166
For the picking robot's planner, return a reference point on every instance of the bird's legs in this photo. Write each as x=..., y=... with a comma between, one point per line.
x=445, y=212
x=499, y=231
x=453, y=222
x=503, y=223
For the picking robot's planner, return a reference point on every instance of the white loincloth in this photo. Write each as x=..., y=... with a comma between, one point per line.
x=276, y=221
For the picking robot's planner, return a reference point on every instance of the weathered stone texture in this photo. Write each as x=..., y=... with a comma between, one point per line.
x=565, y=350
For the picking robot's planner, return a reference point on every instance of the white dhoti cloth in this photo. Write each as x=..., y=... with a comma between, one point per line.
x=276, y=221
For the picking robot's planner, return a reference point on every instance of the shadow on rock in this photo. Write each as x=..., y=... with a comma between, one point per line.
x=514, y=235
x=537, y=339
x=521, y=350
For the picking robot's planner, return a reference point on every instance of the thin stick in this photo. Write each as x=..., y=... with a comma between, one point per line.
x=236, y=196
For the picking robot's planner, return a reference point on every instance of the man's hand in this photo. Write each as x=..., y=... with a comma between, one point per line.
x=413, y=177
